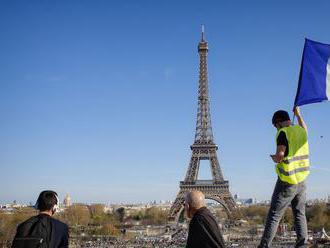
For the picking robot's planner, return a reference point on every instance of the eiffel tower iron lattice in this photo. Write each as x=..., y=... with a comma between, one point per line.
x=203, y=148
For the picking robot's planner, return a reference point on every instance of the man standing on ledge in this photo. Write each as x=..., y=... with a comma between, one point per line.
x=292, y=168
x=204, y=231
x=43, y=230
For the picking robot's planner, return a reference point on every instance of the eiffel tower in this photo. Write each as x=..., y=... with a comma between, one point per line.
x=203, y=148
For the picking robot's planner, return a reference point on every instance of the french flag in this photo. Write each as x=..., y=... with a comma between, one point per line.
x=314, y=79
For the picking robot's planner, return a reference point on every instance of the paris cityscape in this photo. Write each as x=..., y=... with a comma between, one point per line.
x=124, y=125
x=146, y=225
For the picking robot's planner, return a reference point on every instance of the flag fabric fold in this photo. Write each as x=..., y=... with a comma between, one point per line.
x=314, y=79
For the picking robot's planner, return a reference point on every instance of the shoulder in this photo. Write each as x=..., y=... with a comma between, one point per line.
x=59, y=224
x=26, y=226
x=203, y=215
x=281, y=134
x=296, y=129
x=28, y=222
x=300, y=128
x=281, y=137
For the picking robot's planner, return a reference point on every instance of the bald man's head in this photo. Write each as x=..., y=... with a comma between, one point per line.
x=194, y=200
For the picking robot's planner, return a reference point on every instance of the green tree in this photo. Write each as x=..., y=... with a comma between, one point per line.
x=138, y=215
x=255, y=214
x=155, y=216
x=97, y=214
x=76, y=215
x=318, y=217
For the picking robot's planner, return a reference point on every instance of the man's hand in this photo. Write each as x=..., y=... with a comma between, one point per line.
x=279, y=155
x=301, y=121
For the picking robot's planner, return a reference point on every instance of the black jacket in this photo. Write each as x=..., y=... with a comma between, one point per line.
x=204, y=231
x=57, y=231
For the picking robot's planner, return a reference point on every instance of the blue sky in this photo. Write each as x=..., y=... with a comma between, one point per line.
x=98, y=98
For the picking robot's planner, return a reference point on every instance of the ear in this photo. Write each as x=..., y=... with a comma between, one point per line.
x=187, y=210
x=56, y=206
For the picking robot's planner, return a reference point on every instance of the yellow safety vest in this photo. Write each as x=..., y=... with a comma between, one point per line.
x=294, y=168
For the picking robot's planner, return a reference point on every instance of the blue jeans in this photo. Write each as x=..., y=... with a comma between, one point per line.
x=283, y=195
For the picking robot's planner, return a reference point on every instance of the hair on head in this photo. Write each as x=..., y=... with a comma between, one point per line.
x=280, y=116
x=47, y=200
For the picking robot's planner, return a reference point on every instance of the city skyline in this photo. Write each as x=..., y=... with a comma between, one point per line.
x=99, y=100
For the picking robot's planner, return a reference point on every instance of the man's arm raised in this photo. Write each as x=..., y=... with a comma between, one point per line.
x=301, y=121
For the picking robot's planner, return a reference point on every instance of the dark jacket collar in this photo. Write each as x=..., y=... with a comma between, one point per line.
x=201, y=211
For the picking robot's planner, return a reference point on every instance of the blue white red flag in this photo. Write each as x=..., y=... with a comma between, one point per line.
x=314, y=79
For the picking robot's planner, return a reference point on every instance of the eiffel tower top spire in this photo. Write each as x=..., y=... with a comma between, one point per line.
x=203, y=134
x=203, y=32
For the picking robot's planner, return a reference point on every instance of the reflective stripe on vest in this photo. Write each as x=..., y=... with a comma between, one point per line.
x=296, y=158
x=294, y=168
x=289, y=173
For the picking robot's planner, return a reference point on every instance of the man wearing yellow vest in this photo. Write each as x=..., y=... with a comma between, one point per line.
x=292, y=168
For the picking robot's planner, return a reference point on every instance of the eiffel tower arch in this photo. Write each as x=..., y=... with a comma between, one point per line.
x=203, y=148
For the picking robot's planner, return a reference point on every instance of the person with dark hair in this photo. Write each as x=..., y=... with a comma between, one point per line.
x=292, y=168
x=43, y=230
x=204, y=230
